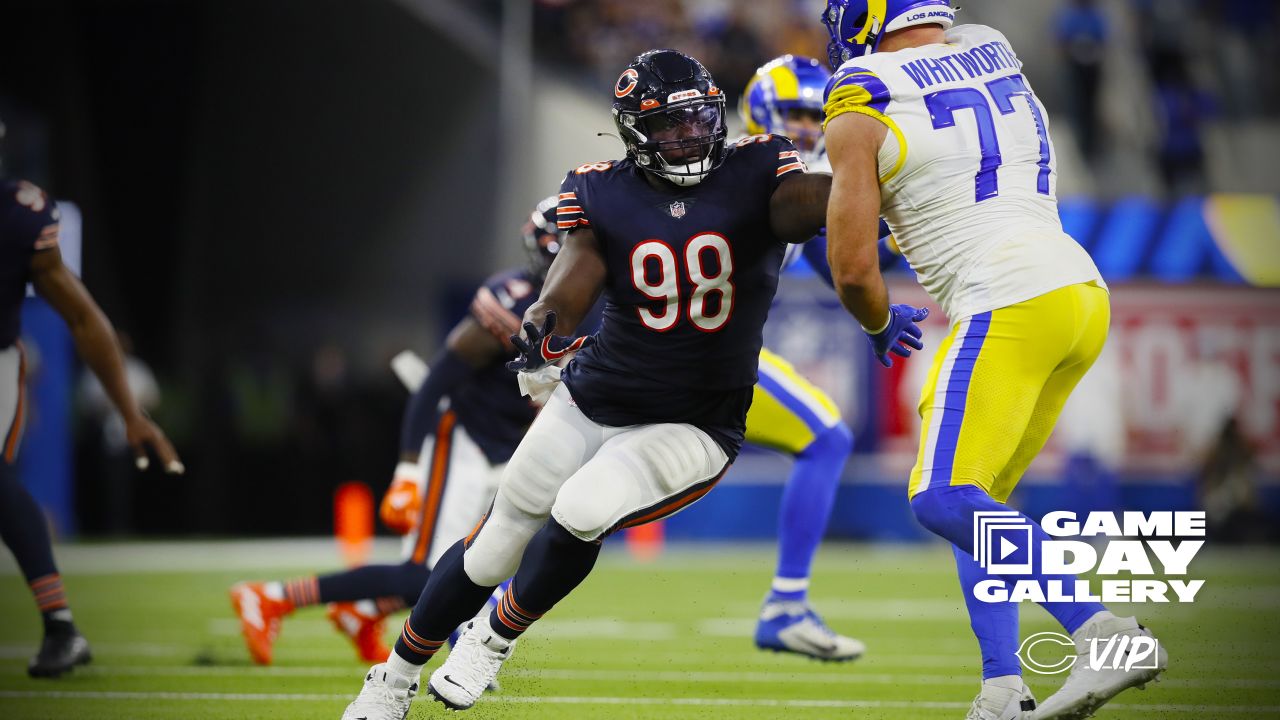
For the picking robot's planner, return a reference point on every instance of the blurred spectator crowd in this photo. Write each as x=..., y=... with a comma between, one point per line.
x=598, y=38
x=1197, y=61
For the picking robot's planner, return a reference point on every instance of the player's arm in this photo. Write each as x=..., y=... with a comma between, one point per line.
x=853, y=216
x=469, y=347
x=96, y=343
x=798, y=206
x=853, y=142
x=573, y=283
x=815, y=253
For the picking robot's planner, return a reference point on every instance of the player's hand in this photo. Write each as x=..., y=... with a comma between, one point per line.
x=539, y=348
x=900, y=335
x=402, y=505
x=142, y=434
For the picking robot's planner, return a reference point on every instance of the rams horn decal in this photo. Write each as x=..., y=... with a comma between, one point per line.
x=631, y=78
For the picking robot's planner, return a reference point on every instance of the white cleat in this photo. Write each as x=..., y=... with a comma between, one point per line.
x=471, y=667
x=1003, y=698
x=1086, y=689
x=795, y=627
x=385, y=696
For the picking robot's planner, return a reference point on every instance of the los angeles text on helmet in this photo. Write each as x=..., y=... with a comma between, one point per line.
x=1152, y=544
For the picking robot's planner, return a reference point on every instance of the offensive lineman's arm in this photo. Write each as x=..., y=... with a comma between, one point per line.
x=97, y=344
x=798, y=207
x=573, y=283
x=853, y=141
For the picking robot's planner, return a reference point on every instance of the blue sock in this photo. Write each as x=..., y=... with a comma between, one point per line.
x=807, y=500
x=948, y=512
x=994, y=624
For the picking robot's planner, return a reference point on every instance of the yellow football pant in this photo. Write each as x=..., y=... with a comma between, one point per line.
x=787, y=412
x=998, y=384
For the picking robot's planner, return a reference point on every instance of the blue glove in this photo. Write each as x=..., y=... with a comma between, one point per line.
x=900, y=335
x=539, y=348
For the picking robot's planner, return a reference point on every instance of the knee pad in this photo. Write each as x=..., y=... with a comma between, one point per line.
x=586, y=518
x=494, y=553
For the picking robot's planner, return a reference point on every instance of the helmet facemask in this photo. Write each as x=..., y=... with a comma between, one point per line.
x=682, y=142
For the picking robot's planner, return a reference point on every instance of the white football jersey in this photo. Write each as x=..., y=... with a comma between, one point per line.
x=967, y=170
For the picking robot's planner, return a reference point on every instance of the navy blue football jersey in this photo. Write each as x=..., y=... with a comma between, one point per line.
x=28, y=222
x=691, y=273
x=489, y=404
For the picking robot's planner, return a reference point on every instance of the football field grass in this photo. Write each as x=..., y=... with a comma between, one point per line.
x=666, y=639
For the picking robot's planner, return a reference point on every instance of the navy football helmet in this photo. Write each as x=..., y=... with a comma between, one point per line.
x=541, y=238
x=670, y=115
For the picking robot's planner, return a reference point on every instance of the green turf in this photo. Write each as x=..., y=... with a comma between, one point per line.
x=670, y=639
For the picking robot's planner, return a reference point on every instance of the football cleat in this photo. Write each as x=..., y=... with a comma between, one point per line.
x=59, y=653
x=1086, y=689
x=998, y=702
x=471, y=667
x=795, y=627
x=385, y=696
x=363, y=628
x=260, y=617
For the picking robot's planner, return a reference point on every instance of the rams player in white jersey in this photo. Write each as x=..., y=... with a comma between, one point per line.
x=935, y=128
x=788, y=413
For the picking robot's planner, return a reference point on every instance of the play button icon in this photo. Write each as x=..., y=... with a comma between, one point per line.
x=1007, y=548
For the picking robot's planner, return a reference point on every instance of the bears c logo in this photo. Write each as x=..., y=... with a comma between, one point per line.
x=626, y=83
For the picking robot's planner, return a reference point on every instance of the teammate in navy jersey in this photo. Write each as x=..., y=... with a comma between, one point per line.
x=685, y=238
x=29, y=254
x=452, y=456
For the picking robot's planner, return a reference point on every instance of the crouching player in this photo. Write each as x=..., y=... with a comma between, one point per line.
x=452, y=455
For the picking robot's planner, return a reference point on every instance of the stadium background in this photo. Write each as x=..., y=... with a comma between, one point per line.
x=278, y=196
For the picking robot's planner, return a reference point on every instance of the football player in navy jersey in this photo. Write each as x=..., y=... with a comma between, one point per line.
x=685, y=238
x=29, y=254
x=452, y=456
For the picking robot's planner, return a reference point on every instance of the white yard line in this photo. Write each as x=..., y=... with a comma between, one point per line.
x=852, y=677
x=1216, y=710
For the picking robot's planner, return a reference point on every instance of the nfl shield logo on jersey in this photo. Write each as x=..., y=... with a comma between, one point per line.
x=676, y=209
